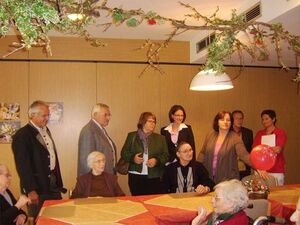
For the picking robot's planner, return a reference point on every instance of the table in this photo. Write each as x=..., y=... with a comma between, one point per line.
x=167, y=209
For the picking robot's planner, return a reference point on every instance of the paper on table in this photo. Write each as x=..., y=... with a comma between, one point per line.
x=269, y=140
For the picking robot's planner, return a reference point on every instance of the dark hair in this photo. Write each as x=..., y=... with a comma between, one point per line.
x=237, y=111
x=220, y=115
x=143, y=119
x=271, y=113
x=174, y=109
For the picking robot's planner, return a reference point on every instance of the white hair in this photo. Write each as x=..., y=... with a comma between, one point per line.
x=35, y=107
x=235, y=193
x=97, y=108
x=92, y=156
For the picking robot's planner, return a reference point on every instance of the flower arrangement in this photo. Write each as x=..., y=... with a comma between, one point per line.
x=257, y=188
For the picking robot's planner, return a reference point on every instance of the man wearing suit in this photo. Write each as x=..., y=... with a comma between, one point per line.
x=93, y=137
x=247, y=137
x=36, y=159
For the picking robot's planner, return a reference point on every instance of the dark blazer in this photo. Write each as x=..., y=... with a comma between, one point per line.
x=83, y=186
x=33, y=160
x=9, y=213
x=92, y=138
x=200, y=176
x=185, y=134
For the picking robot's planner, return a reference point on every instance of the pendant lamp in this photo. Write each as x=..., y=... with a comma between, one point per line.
x=210, y=80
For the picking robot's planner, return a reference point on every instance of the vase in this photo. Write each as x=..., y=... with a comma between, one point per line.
x=258, y=195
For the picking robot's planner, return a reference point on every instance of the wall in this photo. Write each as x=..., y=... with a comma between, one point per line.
x=79, y=85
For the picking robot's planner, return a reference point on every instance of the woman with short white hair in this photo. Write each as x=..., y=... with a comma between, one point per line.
x=97, y=182
x=229, y=202
x=10, y=209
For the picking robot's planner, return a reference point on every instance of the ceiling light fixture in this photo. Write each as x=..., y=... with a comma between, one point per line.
x=210, y=80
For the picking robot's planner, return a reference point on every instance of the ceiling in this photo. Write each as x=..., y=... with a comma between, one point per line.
x=287, y=12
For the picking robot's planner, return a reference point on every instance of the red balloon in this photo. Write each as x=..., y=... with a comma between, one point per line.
x=263, y=157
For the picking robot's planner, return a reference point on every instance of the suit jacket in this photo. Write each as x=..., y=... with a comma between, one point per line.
x=9, y=213
x=247, y=137
x=185, y=134
x=33, y=160
x=157, y=148
x=92, y=138
x=227, y=167
x=83, y=186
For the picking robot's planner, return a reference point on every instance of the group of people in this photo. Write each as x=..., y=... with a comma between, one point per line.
x=163, y=163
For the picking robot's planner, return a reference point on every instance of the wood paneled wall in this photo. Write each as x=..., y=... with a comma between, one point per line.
x=79, y=85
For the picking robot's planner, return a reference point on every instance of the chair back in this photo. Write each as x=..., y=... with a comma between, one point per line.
x=260, y=208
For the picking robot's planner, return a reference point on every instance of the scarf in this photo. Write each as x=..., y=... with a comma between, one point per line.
x=144, y=138
x=214, y=219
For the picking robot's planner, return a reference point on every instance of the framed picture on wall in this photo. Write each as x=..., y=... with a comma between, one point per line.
x=56, y=112
x=9, y=121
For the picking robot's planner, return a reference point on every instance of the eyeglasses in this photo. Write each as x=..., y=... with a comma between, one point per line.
x=217, y=197
x=8, y=175
x=151, y=121
x=178, y=115
x=186, y=151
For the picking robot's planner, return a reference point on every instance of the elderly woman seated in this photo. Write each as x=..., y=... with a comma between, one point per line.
x=11, y=212
x=97, y=182
x=186, y=175
x=230, y=200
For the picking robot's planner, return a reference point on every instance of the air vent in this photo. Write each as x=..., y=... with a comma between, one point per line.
x=205, y=42
x=253, y=13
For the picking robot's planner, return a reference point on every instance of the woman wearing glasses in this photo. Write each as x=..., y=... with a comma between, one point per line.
x=11, y=212
x=230, y=199
x=186, y=175
x=177, y=131
x=147, y=154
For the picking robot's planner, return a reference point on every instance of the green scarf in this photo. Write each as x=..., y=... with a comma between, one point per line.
x=213, y=220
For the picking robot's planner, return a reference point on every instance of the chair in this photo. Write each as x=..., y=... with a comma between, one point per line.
x=259, y=207
x=271, y=182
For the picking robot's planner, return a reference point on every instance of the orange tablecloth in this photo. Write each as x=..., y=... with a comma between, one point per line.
x=175, y=209
x=283, y=200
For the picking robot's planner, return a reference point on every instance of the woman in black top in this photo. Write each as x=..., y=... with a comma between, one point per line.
x=177, y=131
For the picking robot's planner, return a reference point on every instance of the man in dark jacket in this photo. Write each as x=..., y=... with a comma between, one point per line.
x=36, y=159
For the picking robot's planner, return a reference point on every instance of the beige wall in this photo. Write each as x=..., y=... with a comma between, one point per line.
x=79, y=85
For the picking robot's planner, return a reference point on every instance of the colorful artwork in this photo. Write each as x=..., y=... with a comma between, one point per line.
x=7, y=130
x=56, y=112
x=9, y=121
x=9, y=111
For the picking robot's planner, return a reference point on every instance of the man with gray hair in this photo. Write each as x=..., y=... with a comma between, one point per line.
x=93, y=136
x=36, y=159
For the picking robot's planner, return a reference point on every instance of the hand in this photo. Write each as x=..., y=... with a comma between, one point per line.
x=138, y=159
x=151, y=162
x=202, y=189
x=34, y=197
x=263, y=174
x=201, y=216
x=23, y=200
x=20, y=219
x=276, y=149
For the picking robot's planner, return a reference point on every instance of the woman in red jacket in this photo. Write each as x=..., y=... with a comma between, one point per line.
x=268, y=120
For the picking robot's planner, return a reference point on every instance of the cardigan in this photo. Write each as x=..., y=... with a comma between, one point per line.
x=83, y=186
x=200, y=176
x=231, y=149
x=8, y=213
x=157, y=148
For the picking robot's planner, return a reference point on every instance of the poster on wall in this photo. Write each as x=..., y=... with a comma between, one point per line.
x=9, y=121
x=56, y=112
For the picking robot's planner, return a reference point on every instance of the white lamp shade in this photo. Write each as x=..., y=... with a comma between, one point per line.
x=209, y=80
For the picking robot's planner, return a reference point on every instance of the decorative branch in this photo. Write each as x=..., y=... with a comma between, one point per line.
x=33, y=19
